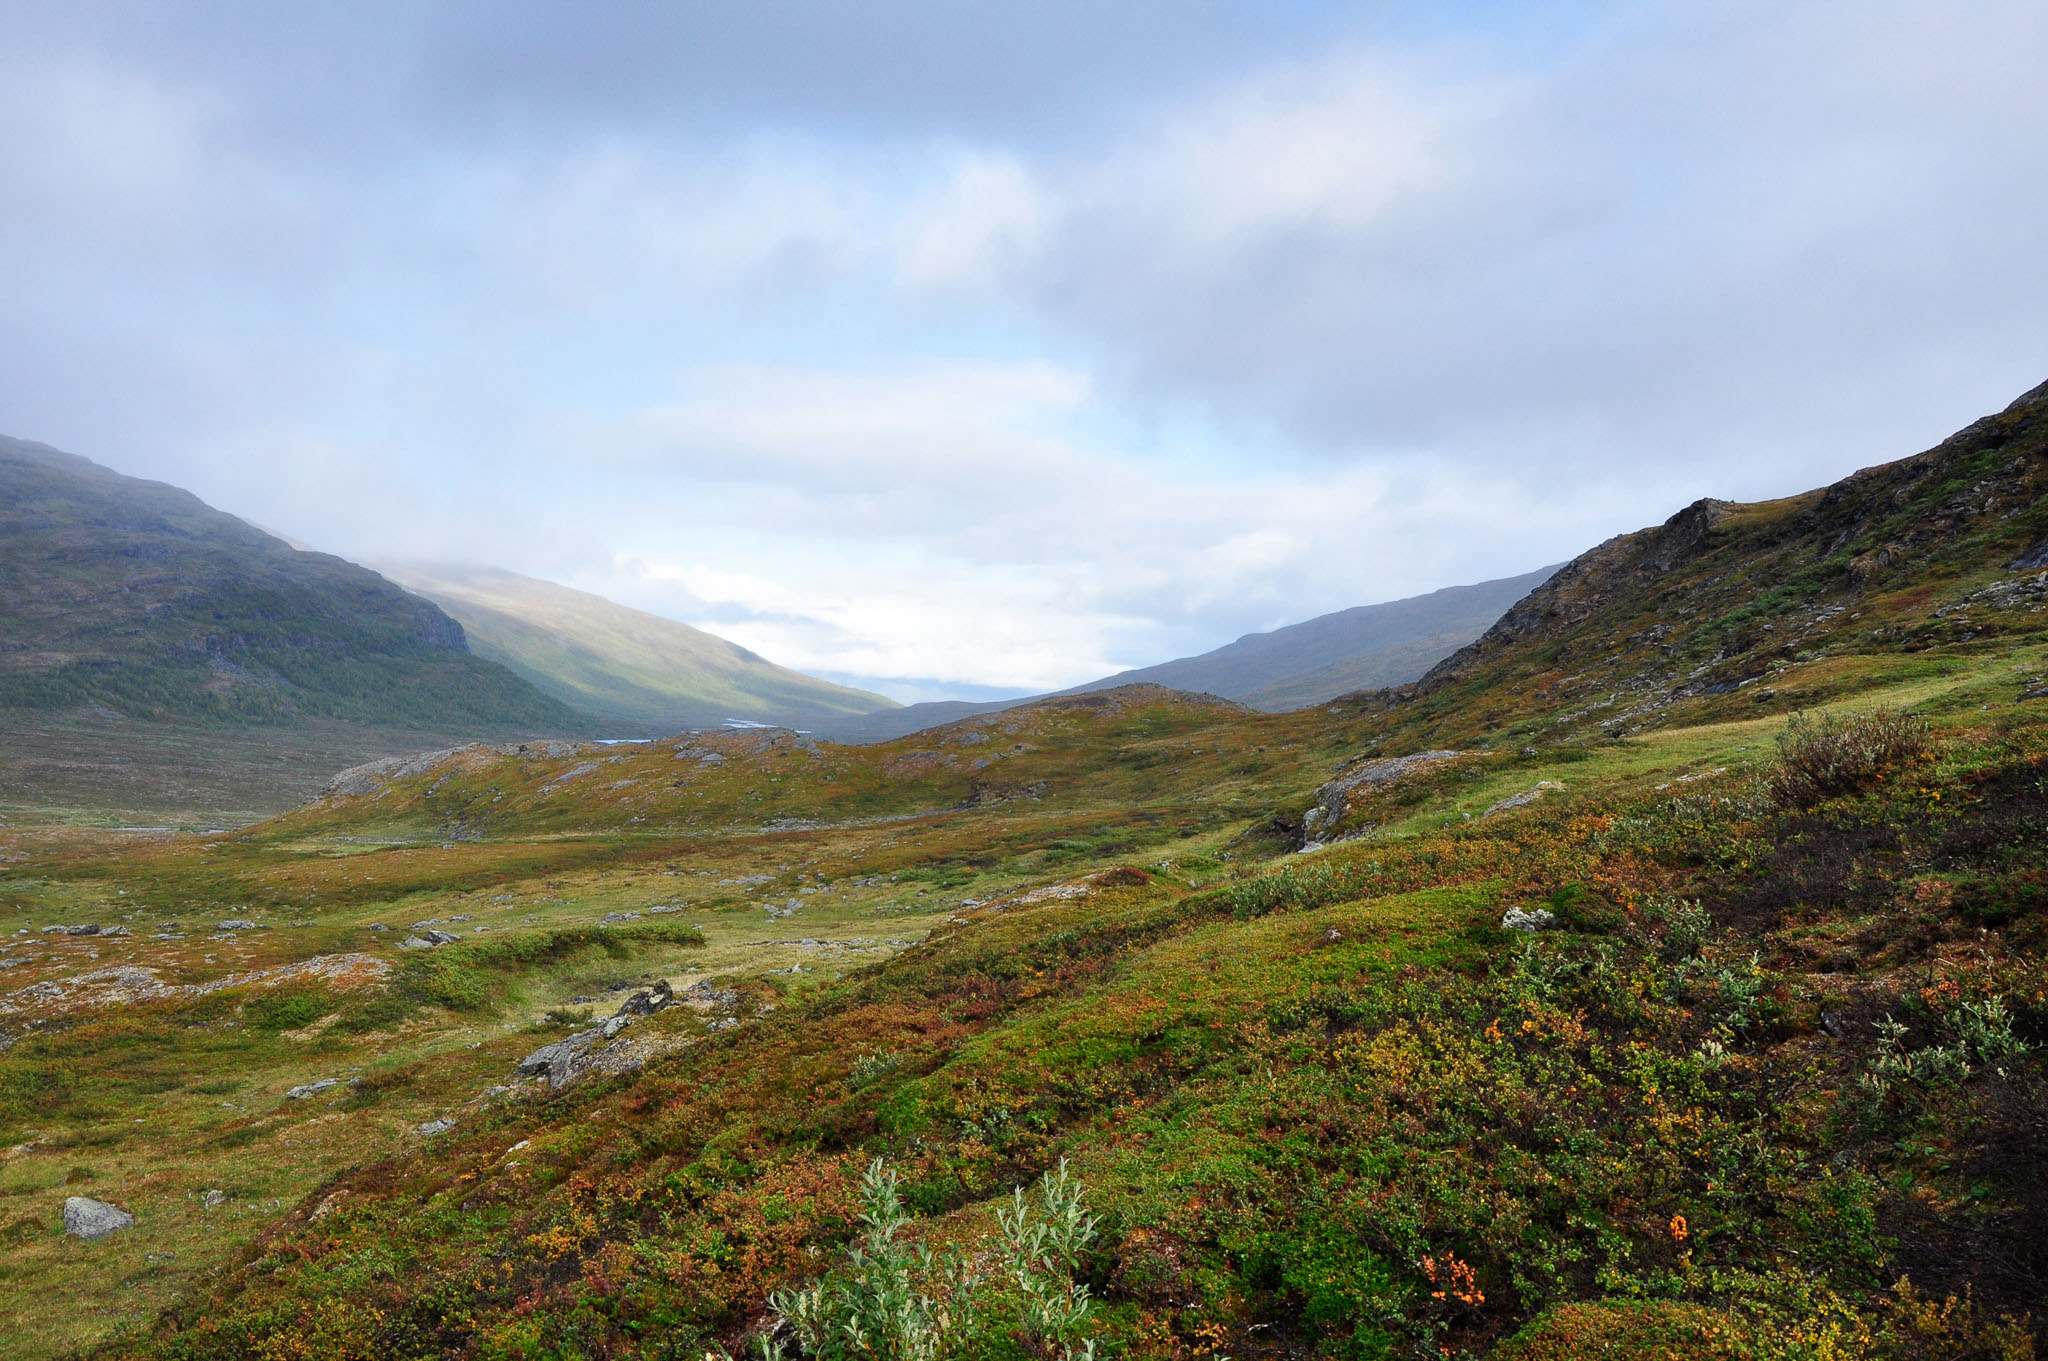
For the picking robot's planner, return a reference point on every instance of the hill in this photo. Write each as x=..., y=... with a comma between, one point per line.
x=1717, y=1032
x=129, y=609
x=619, y=663
x=1362, y=648
x=1319, y=659
x=1726, y=609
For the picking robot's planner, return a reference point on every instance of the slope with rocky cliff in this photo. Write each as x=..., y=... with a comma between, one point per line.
x=1728, y=609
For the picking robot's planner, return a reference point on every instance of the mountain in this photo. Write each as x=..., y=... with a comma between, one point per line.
x=620, y=663
x=1364, y=647
x=158, y=654
x=137, y=596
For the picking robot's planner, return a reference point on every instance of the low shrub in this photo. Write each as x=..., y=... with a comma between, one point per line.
x=288, y=1010
x=1844, y=754
x=888, y=1299
x=463, y=977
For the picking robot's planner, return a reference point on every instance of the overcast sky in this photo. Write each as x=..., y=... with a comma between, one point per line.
x=971, y=346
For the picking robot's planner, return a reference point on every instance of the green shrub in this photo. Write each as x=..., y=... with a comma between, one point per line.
x=274, y=1011
x=892, y=1302
x=1843, y=754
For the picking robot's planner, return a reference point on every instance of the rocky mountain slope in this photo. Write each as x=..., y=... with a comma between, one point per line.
x=602, y=658
x=1727, y=607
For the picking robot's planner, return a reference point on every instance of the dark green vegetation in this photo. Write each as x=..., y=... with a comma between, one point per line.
x=600, y=658
x=133, y=616
x=137, y=596
x=1770, y=1084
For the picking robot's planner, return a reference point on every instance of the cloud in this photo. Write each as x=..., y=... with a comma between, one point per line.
x=1693, y=231
x=1005, y=345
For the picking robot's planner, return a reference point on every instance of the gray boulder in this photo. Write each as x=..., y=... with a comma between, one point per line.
x=85, y=1217
x=313, y=1088
x=563, y=1061
x=1333, y=797
x=71, y=930
x=557, y=1062
x=235, y=924
x=433, y=1127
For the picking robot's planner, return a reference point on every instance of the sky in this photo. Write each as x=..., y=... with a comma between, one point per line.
x=975, y=349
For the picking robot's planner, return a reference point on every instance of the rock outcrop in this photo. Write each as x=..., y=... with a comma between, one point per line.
x=562, y=1062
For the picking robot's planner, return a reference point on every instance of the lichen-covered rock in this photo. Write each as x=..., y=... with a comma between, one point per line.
x=1528, y=919
x=87, y=1218
x=1333, y=797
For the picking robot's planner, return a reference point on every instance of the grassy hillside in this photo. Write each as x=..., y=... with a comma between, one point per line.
x=136, y=597
x=1766, y=1082
x=620, y=663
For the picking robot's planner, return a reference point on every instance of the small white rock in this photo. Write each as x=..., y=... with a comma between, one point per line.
x=1530, y=919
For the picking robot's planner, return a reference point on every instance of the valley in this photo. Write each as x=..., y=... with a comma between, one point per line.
x=1662, y=975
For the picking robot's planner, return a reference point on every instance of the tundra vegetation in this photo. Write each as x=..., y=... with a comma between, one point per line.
x=1053, y=1033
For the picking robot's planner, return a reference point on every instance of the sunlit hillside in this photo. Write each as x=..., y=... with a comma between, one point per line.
x=619, y=663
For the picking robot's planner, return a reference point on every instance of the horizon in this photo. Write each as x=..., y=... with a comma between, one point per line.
x=983, y=354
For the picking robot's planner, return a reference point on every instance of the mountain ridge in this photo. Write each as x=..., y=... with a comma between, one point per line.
x=617, y=662
x=132, y=594
x=1362, y=647
x=1289, y=667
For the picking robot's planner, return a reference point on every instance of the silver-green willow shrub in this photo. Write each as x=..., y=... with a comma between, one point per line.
x=890, y=1301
